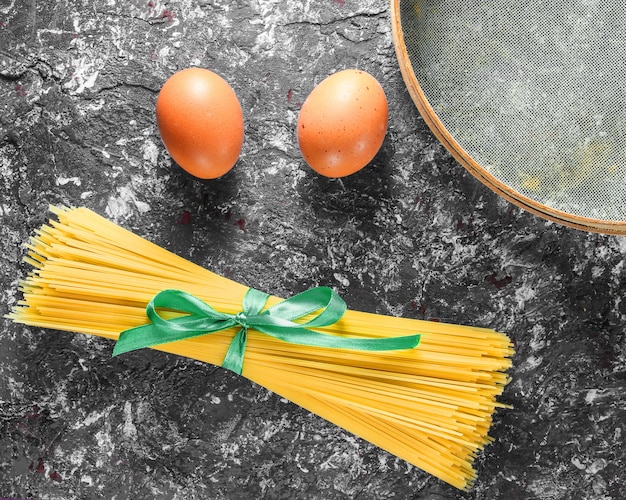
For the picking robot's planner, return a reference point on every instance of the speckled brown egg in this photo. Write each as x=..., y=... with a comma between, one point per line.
x=342, y=123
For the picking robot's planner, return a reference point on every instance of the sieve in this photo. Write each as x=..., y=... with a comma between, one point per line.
x=528, y=96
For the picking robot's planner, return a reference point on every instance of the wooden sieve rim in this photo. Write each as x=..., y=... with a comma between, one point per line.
x=456, y=150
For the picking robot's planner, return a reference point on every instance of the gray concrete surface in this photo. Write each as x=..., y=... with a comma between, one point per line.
x=413, y=234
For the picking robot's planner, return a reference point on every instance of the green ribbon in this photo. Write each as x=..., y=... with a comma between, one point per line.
x=276, y=321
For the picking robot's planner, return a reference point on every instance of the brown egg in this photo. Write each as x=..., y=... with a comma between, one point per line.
x=200, y=121
x=342, y=123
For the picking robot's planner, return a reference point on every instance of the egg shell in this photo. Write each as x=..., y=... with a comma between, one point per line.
x=342, y=123
x=200, y=121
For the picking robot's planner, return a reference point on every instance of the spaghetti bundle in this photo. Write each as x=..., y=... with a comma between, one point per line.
x=431, y=405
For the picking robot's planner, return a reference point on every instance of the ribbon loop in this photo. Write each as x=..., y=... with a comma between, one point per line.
x=277, y=321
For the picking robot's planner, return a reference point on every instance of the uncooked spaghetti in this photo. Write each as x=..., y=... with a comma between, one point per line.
x=431, y=405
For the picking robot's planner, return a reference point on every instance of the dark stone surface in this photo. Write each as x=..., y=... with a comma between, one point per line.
x=412, y=234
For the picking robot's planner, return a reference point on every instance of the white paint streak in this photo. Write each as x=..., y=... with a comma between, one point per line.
x=88, y=480
x=272, y=13
x=150, y=152
x=105, y=444
x=594, y=395
x=342, y=279
x=83, y=76
x=92, y=418
x=8, y=8
x=230, y=451
x=523, y=294
x=77, y=457
x=62, y=181
x=129, y=430
x=537, y=341
x=532, y=362
x=121, y=206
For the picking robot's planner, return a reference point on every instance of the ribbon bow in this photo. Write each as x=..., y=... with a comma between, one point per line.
x=276, y=321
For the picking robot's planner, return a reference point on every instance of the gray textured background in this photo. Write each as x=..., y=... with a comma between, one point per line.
x=412, y=234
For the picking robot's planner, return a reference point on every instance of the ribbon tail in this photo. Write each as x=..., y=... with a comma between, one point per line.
x=312, y=338
x=233, y=360
x=172, y=330
x=139, y=337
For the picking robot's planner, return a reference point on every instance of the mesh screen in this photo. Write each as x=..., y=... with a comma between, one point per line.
x=534, y=91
